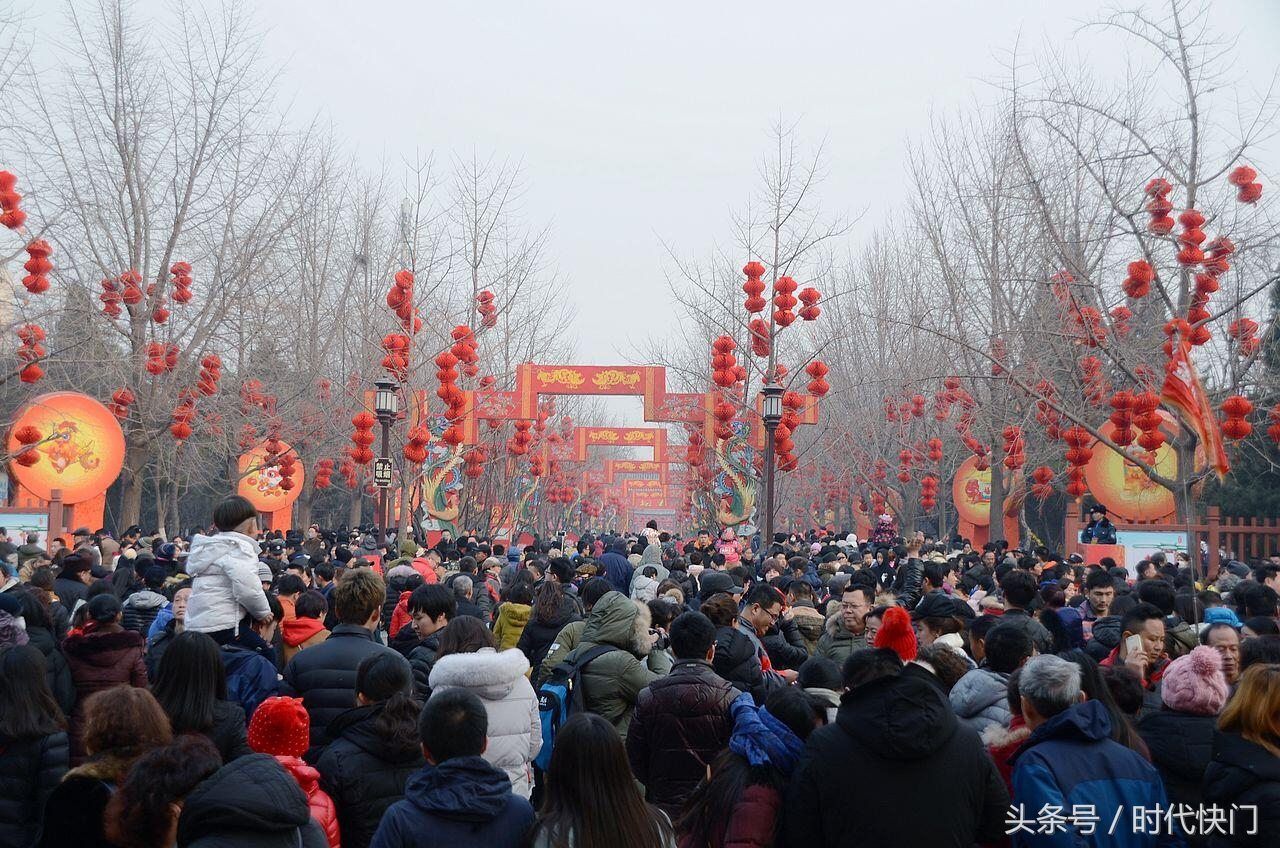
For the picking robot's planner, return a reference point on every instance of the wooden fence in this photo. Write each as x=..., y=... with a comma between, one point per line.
x=1245, y=539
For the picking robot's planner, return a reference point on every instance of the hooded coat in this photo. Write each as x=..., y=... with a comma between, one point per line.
x=140, y=609
x=878, y=734
x=249, y=803
x=464, y=803
x=810, y=624
x=365, y=772
x=224, y=582
x=617, y=568
x=421, y=660
x=612, y=682
x=510, y=624
x=680, y=724
x=1244, y=773
x=56, y=670
x=837, y=643
x=73, y=811
x=981, y=699
x=537, y=636
x=299, y=633
x=1072, y=760
x=515, y=726
x=100, y=660
x=737, y=661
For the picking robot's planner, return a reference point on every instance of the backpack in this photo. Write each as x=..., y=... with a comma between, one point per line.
x=560, y=696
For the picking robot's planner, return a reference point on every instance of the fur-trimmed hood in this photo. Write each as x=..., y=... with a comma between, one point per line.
x=490, y=674
x=101, y=649
x=619, y=621
x=999, y=737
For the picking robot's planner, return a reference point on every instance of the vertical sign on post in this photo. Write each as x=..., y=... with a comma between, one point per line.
x=382, y=473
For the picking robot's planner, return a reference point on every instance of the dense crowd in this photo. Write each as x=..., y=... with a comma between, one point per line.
x=245, y=688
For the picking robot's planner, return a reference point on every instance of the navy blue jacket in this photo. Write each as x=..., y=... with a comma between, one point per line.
x=462, y=803
x=251, y=677
x=1070, y=761
x=617, y=568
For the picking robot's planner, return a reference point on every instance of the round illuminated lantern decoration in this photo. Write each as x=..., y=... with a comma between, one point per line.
x=971, y=493
x=261, y=485
x=1121, y=485
x=83, y=458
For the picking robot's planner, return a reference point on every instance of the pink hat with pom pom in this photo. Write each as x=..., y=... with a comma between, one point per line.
x=1195, y=684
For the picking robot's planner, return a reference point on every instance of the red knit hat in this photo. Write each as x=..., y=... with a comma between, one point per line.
x=280, y=727
x=895, y=633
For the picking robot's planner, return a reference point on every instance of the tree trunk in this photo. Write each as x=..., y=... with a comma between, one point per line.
x=136, y=462
x=355, y=513
x=997, y=489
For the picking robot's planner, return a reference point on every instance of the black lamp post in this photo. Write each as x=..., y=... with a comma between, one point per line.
x=771, y=412
x=386, y=404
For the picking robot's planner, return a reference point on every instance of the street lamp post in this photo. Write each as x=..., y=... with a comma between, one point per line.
x=386, y=403
x=771, y=412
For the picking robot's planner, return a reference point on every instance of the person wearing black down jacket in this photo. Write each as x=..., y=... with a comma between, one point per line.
x=41, y=635
x=900, y=729
x=250, y=803
x=324, y=675
x=682, y=721
x=375, y=748
x=736, y=659
x=1179, y=735
x=34, y=752
x=1245, y=769
x=191, y=686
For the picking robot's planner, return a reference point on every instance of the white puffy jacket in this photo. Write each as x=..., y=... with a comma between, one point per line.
x=225, y=584
x=515, y=729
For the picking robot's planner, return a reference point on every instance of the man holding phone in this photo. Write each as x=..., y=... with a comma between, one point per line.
x=1141, y=649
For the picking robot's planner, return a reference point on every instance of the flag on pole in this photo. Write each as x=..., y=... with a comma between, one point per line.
x=1183, y=391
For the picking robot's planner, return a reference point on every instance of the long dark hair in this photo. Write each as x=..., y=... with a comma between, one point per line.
x=465, y=634
x=27, y=707
x=386, y=679
x=547, y=603
x=1095, y=688
x=591, y=799
x=190, y=680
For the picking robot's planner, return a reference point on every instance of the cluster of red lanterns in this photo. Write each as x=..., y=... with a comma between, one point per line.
x=1138, y=283
x=1245, y=332
x=1146, y=417
x=695, y=454
x=473, y=461
x=10, y=215
x=38, y=266
x=210, y=374
x=723, y=412
x=121, y=400
x=348, y=471
x=518, y=444
x=287, y=465
x=487, y=309
x=1191, y=238
x=1274, y=429
x=754, y=288
x=30, y=352
x=324, y=473
x=110, y=298
x=160, y=358
x=561, y=494
x=1096, y=386
x=183, y=414
x=400, y=300
x=904, y=466
x=251, y=395
x=1120, y=320
x=1235, y=426
x=1015, y=448
x=759, y=330
x=362, y=438
x=181, y=279
x=818, y=386
x=1046, y=414
x=1122, y=418
x=1245, y=179
x=784, y=300
x=415, y=447
x=1042, y=482
x=928, y=493
x=1159, y=206
x=248, y=435
x=466, y=349
x=783, y=446
x=809, y=309
x=725, y=370
x=935, y=450
x=1078, y=455
x=395, y=347
x=26, y=436
x=1216, y=263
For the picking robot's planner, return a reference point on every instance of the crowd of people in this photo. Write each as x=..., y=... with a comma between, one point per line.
x=639, y=690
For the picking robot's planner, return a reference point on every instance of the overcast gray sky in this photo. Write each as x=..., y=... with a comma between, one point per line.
x=639, y=124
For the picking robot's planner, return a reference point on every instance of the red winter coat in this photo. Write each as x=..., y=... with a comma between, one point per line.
x=322, y=808
x=400, y=615
x=754, y=822
x=102, y=659
x=1001, y=742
